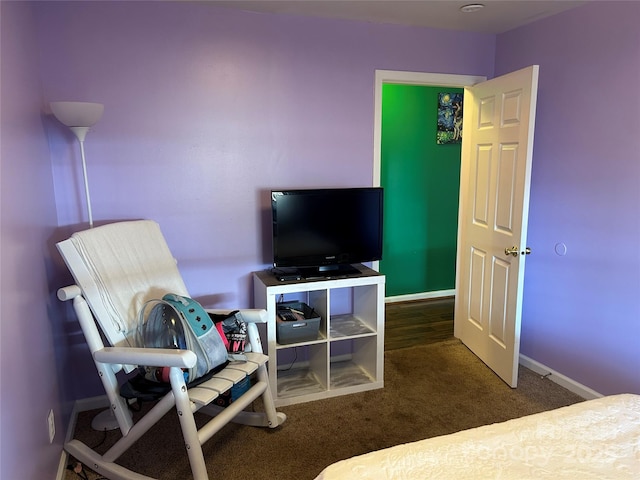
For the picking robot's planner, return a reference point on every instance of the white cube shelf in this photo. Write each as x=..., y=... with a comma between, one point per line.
x=348, y=354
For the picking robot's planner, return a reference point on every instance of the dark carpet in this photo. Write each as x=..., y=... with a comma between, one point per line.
x=429, y=390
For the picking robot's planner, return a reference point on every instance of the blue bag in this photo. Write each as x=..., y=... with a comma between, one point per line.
x=181, y=322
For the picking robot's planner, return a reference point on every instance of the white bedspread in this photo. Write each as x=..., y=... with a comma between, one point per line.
x=596, y=439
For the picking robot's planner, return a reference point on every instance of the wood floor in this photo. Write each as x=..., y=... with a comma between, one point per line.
x=418, y=322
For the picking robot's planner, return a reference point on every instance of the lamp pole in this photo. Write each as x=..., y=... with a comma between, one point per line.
x=81, y=133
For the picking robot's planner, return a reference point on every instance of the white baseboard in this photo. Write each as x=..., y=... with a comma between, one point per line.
x=62, y=466
x=81, y=405
x=91, y=403
x=562, y=380
x=420, y=296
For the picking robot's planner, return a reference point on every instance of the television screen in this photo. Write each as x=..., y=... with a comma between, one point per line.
x=325, y=230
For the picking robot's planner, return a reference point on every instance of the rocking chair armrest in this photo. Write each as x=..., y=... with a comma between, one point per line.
x=157, y=357
x=249, y=315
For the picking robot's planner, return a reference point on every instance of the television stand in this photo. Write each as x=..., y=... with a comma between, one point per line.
x=328, y=271
x=346, y=357
x=325, y=272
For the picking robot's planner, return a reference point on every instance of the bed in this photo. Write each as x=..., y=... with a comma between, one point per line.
x=595, y=439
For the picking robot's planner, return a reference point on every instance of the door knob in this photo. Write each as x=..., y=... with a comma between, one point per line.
x=515, y=250
x=511, y=251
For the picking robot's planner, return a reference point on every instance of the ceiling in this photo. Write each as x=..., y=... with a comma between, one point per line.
x=497, y=16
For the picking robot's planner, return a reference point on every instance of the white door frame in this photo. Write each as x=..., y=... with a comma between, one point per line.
x=408, y=78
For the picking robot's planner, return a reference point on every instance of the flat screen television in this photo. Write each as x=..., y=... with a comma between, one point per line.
x=322, y=232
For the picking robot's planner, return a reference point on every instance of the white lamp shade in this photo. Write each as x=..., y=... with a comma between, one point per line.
x=77, y=114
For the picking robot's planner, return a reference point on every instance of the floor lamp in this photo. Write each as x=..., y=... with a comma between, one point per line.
x=79, y=117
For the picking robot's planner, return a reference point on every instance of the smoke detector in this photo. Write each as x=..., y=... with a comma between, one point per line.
x=472, y=7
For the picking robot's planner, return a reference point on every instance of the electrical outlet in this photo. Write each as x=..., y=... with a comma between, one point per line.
x=51, y=422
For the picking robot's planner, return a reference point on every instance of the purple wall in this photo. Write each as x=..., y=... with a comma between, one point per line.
x=582, y=311
x=29, y=381
x=207, y=109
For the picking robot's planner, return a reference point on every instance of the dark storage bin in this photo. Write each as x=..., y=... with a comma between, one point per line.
x=296, y=322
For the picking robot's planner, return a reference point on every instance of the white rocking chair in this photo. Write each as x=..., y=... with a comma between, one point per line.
x=117, y=268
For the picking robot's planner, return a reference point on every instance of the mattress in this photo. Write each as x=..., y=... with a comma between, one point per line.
x=595, y=439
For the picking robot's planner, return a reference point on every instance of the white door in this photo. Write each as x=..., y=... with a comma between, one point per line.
x=499, y=117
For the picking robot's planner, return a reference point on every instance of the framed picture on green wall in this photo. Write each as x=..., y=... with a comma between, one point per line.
x=449, y=118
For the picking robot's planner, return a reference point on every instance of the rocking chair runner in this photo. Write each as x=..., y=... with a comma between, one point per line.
x=117, y=268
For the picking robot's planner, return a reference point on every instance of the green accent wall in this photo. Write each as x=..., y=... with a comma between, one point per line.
x=422, y=182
